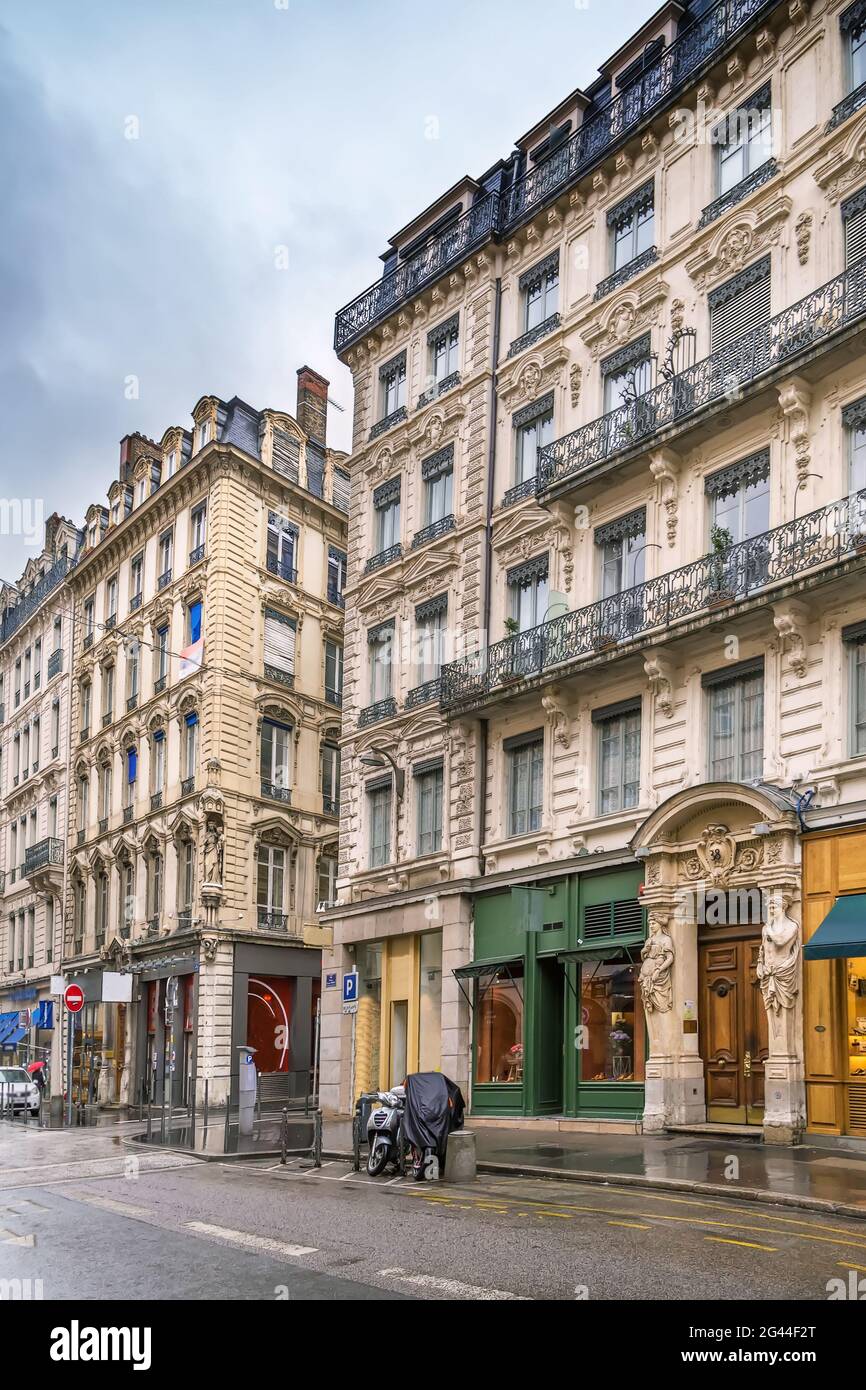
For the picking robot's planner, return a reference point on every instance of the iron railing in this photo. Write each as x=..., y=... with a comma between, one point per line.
x=626, y=272
x=282, y=569
x=716, y=581
x=43, y=854
x=423, y=694
x=55, y=665
x=383, y=709
x=384, y=557
x=275, y=791
x=821, y=314
x=434, y=530
x=758, y=177
x=534, y=335
x=847, y=106
x=28, y=605
x=493, y=214
x=335, y=596
x=196, y=555
x=187, y=786
x=279, y=676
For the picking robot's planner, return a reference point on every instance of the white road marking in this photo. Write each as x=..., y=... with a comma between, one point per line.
x=249, y=1241
x=452, y=1287
x=110, y=1204
x=10, y=1238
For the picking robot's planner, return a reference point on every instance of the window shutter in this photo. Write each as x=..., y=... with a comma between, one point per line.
x=855, y=236
x=285, y=453
x=342, y=487
x=735, y=315
x=279, y=641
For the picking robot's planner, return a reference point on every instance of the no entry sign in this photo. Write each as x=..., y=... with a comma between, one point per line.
x=74, y=998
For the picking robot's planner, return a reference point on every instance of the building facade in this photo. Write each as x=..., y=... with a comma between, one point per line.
x=206, y=690
x=606, y=623
x=35, y=665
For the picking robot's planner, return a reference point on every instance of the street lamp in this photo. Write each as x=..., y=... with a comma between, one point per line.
x=647, y=545
x=376, y=758
x=801, y=485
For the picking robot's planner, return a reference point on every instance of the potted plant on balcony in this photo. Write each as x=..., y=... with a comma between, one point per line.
x=512, y=628
x=720, y=591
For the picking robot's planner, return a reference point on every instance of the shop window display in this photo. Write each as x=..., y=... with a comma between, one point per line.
x=856, y=992
x=499, y=1039
x=613, y=1037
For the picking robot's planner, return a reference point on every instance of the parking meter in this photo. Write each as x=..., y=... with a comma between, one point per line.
x=247, y=1078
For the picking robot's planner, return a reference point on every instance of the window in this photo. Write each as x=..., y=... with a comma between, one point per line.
x=274, y=758
x=170, y=463
x=107, y=693
x=739, y=498
x=428, y=788
x=499, y=1026
x=83, y=791
x=430, y=632
x=104, y=791
x=380, y=641
x=622, y=548
x=55, y=728
x=86, y=697
x=632, y=226
x=186, y=876
x=379, y=816
x=35, y=741
x=127, y=896
x=58, y=639
x=853, y=212
x=89, y=611
x=203, y=433
x=438, y=483
x=279, y=647
x=331, y=778
x=79, y=912
x=142, y=490
x=49, y=929
x=855, y=639
x=525, y=756
x=741, y=306
x=736, y=723
x=37, y=663
x=198, y=527
x=392, y=377
x=166, y=551
x=270, y=882
x=336, y=574
x=157, y=765
x=16, y=757
x=443, y=345
x=52, y=818
x=527, y=593
x=333, y=673
x=101, y=906
x=136, y=575
x=744, y=140
x=533, y=428
x=154, y=884
x=285, y=454
x=282, y=547
x=111, y=599
x=853, y=23
x=540, y=289
x=386, y=503
x=161, y=653
x=193, y=621
x=613, y=1042
x=618, y=734
x=131, y=774
x=326, y=891
x=190, y=746
x=25, y=750
x=627, y=374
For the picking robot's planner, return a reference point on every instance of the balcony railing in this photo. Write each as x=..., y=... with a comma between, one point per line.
x=766, y=171
x=135, y=603
x=196, y=555
x=164, y=580
x=43, y=854
x=806, y=324
x=330, y=805
x=433, y=531
x=493, y=215
x=187, y=786
x=847, y=106
x=55, y=664
x=29, y=604
x=534, y=335
x=272, y=921
x=423, y=694
x=281, y=677
x=282, y=569
x=335, y=596
x=332, y=696
x=156, y=801
x=384, y=557
x=383, y=709
x=625, y=273
x=275, y=791
x=821, y=538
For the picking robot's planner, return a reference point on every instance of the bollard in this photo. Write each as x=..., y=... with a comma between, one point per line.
x=192, y=1113
x=460, y=1163
x=317, y=1140
x=149, y=1115
x=206, y=1097
x=284, y=1136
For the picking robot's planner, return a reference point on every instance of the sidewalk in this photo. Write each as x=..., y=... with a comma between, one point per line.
x=813, y=1176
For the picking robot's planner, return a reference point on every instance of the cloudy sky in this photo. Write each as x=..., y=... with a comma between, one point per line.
x=158, y=157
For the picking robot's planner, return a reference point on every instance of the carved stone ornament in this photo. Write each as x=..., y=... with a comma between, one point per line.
x=716, y=852
x=665, y=466
x=732, y=248
x=209, y=946
x=558, y=719
x=778, y=966
x=659, y=674
x=789, y=620
x=803, y=233
x=575, y=378
x=626, y=318
x=657, y=961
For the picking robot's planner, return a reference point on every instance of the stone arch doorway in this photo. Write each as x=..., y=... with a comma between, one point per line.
x=722, y=889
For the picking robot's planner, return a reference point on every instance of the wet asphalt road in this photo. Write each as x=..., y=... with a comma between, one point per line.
x=91, y=1217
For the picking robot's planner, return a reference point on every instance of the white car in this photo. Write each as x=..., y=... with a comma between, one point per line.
x=18, y=1086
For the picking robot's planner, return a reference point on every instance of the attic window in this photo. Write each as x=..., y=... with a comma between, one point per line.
x=554, y=139
x=639, y=65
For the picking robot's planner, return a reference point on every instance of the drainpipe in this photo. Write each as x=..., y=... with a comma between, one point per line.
x=488, y=556
x=59, y=1064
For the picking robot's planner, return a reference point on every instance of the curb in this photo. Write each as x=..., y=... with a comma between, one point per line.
x=704, y=1189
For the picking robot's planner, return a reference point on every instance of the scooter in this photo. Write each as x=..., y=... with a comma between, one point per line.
x=384, y=1130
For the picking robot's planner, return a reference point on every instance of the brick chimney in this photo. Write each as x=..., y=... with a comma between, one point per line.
x=312, y=410
x=132, y=446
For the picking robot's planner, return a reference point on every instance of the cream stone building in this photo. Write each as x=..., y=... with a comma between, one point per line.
x=207, y=682
x=35, y=665
x=606, y=624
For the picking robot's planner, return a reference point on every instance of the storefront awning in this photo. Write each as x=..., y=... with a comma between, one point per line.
x=8, y=1022
x=489, y=971
x=13, y=1038
x=602, y=953
x=842, y=932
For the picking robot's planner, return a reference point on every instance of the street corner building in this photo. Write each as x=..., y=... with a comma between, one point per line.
x=172, y=682
x=603, y=835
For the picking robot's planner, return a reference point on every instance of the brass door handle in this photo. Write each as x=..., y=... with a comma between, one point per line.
x=747, y=1064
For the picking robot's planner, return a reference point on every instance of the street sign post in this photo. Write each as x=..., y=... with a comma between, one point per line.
x=73, y=998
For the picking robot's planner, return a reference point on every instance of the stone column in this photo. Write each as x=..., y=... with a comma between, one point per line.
x=669, y=985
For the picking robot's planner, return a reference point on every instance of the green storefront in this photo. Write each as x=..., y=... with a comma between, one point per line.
x=558, y=1024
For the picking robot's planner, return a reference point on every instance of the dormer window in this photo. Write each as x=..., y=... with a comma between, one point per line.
x=170, y=463
x=115, y=511
x=204, y=432
x=142, y=490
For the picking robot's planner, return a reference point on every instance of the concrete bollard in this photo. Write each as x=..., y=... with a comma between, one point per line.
x=460, y=1164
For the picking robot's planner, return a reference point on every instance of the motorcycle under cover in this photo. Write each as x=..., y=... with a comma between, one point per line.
x=434, y=1106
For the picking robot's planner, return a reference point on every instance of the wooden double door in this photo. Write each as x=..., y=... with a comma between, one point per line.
x=733, y=1029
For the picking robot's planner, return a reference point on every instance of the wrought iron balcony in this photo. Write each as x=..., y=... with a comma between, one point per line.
x=159, y=685
x=433, y=531
x=88, y=641
x=333, y=697
x=125, y=931
x=334, y=596
x=534, y=335
x=267, y=920
x=276, y=673
x=196, y=555
x=847, y=106
x=28, y=605
x=384, y=557
x=44, y=854
x=184, y=919
x=274, y=791
x=127, y=815
x=282, y=570
x=741, y=190
x=330, y=805
x=111, y=622
x=659, y=84
x=440, y=252
x=80, y=836
x=164, y=580
x=132, y=703
x=135, y=603
x=55, y=665
x=152, y=927
x=103, y=824
x=756, y=566
x=383, y=709
x=520, y=492
x=423, y=694
x=810, y=322
x=187, y=786
x=395, y=418
x=446, y=384
x=156, y=801
x=625, y=273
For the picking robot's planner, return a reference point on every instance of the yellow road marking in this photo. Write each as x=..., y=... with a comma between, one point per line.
x=846, y=1265
x=748, y=1244
x=635, y=1224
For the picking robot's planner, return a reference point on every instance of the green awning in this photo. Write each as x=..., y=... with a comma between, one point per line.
x=602, y=953
x=485, y=967
x=842, y=932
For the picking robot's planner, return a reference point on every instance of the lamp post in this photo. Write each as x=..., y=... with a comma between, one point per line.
x=375, y=759
x=801, y=486
x=647, y=545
